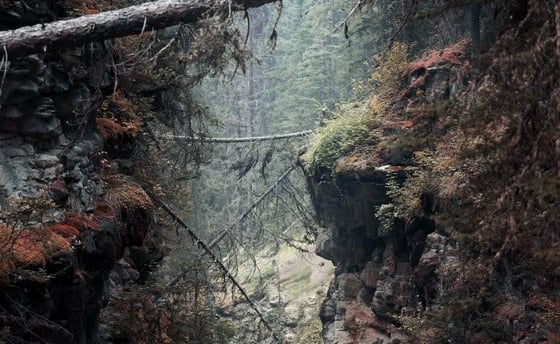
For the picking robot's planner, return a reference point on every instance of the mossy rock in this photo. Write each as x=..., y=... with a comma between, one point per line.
x=339, y=137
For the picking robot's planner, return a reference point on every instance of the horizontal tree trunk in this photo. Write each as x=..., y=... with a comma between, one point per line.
x=238, y=139
x=117, y=23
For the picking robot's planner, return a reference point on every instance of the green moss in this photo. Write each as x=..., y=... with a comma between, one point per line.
x=338, y=137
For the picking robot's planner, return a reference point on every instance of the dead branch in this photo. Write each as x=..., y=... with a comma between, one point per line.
x=344, y=21
x=228, y=229
x=215, y=260
x=273, y=187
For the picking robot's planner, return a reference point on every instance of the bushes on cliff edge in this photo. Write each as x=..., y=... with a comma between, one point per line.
x=337, y=138
x=493, y=155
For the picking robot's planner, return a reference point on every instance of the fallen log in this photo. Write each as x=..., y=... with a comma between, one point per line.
x=117, y=23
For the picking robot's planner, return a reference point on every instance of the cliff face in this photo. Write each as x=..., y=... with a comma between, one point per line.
x=444, y=227
x=65, y=223
x=384, y=270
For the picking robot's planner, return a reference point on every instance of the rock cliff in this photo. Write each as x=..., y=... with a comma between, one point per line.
x=433, y=220
x=386, y=267
x=73, y=220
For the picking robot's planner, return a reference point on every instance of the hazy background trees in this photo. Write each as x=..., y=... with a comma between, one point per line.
x=303, y=60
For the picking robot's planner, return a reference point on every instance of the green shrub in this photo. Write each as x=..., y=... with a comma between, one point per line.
x=337, y=138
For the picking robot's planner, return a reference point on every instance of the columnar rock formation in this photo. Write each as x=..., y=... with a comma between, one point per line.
x=383, y=271
x=64, y=227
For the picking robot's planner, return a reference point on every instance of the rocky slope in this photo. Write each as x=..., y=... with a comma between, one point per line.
x=442, y=222
x=288, y=291
x=73, y=221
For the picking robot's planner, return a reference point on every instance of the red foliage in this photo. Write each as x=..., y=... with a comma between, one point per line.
x=34, y=247
x=81, y=222
x=118, y=118
x=28, y=249
x=110, y=128
x=450, y=55
x=64, y=230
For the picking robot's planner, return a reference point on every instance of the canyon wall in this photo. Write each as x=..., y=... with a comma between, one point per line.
x=73, y=219
x=384, y=270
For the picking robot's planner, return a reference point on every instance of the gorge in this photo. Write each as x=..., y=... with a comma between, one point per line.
x=422, y=170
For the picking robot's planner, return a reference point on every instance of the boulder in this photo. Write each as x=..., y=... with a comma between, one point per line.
x=349, y=286
x=327, y=311
x=40, y=127
x=370, y=274
x=59, y=192
x=291, y=316
x=17, y=91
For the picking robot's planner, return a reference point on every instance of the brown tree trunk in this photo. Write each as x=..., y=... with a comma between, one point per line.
x=111, y=24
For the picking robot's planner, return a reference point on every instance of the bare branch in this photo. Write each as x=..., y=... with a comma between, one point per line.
x=348, y=16
x=4, y=64
x=273, y=187
x=215, y=260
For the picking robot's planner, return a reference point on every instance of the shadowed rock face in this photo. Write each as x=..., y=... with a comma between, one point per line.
x=19, y=13
x=48, y=144
x=381, y=273
x=374, y=276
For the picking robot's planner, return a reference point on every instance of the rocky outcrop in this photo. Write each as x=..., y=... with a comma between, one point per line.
x=374, y=277
x=70, y=236
x=386, y=268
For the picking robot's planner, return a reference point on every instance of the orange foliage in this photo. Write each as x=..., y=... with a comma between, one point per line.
x=34, y=247
x=110, y=128
x=124, y=106
x=29, y=247
x=64, y=230
x=126, y=194
x=450, y=55
x=118, y=118
x=81, y=222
